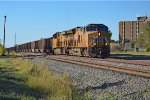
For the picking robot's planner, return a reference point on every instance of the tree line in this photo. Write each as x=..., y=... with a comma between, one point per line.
x=143, y=39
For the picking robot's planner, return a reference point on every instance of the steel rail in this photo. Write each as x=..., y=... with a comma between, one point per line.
x=127, y=70
x=108, y=59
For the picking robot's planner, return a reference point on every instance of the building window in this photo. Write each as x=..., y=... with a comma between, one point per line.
x=137, y=29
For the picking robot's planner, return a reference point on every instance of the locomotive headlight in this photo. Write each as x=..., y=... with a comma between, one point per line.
x=105, y=43
x=99, y=34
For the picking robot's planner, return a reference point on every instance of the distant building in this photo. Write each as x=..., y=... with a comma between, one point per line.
x=130, y=30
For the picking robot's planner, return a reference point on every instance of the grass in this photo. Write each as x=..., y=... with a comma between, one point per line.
x=131, y=52
x=20, y=79
x=10, y=55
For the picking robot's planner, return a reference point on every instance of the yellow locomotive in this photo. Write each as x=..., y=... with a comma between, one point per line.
x=91, y=40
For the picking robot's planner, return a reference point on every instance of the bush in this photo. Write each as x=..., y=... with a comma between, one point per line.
x=147, y=49
x=44, y=80
x=1, y=48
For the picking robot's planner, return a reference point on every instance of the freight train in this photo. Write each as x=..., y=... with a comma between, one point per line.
x=91, y=40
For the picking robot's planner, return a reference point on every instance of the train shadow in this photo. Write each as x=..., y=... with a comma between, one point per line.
x=130, y=57
x=102, y=87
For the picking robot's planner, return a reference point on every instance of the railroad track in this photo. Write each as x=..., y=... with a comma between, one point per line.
x=89, y=63
x=143, y=63
x=127, y=70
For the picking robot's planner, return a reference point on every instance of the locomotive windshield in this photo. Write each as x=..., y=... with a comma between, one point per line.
x=99, y=28
x=100, y=39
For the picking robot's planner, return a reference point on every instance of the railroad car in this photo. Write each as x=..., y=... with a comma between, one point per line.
x=43, y=45
x=23, y=47
x=19, y=48
x=28, y=47
x=58, y=43
x=36, y=48
x=12, y=49
x=48, y=45
x=32, y=46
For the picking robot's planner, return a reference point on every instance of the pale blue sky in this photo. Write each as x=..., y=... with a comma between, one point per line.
x=34, y=20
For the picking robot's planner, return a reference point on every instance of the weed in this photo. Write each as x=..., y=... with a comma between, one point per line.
x=21, y=79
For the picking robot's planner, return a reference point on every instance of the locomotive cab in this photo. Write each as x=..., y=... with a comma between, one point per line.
x=99, y=45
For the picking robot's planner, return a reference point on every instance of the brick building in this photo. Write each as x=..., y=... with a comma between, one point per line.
x=130, y=30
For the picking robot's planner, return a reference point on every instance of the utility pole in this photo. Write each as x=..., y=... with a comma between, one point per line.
x=15, y=42
x=3, y=54
x=15, y=39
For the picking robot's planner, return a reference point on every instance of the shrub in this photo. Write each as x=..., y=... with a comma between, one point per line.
x=44, y=80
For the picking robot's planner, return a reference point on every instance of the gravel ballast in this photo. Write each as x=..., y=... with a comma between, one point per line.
x=101, y=83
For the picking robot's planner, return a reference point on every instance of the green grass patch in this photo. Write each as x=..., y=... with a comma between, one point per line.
x=9, y=55
x=131, y=52
x=20, y=79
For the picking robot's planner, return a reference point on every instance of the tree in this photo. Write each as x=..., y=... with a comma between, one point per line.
x=1, y=48
x=110, y=34
x=144, y=38
x=147, y=40
x=140, y=41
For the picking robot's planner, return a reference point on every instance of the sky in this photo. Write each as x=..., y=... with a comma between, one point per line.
x=33, y=20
